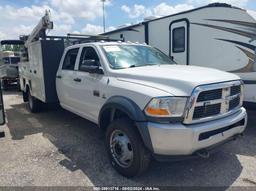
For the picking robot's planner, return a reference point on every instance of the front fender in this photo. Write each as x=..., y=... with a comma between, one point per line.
x=125, y=105
x=132, y=110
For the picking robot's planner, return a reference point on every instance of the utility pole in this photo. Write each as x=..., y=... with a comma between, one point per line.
x=103, y=13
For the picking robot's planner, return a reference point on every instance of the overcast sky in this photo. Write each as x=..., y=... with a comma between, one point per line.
x=85, y=16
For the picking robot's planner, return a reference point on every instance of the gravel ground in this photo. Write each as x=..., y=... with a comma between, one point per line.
x=57, y=148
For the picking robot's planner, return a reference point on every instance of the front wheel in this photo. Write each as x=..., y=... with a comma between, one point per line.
x=126, y=150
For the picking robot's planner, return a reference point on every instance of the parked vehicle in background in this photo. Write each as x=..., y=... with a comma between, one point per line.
x=147, y=106
x=217, y=36
x=9, y=61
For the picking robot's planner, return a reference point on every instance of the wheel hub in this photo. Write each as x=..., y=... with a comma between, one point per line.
x=121, y=148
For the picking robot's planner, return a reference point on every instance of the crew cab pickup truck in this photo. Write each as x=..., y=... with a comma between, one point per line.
x=148, y=106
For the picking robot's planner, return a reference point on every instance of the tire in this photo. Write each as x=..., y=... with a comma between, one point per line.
x=126, y=132
x=33, y=103
x=25, y=96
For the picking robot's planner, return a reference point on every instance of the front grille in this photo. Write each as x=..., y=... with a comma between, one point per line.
x=206, y=111
x=234, y=103
x=210, y=95
x=213, y=100
x=235, y=90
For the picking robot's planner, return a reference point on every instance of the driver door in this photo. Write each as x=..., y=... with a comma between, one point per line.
x=91, y=86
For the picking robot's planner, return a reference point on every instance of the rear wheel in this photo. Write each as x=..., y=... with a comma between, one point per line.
x=126, y=150
x=25, y=96
x=18, y=85
x=33, y=103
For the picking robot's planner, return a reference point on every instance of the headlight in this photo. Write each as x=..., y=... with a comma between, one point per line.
x=166, y=107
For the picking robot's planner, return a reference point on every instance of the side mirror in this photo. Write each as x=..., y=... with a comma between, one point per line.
x=91, y=66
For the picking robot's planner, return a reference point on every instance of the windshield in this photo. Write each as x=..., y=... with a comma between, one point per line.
x=127, y=56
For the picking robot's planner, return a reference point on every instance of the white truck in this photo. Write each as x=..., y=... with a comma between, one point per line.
x=147, y=106
x=145, y=103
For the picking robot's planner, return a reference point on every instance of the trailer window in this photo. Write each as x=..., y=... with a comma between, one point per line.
x=70, y=59
x=178, y=40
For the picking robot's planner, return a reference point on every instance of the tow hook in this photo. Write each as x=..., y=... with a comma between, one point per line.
x=203, y=154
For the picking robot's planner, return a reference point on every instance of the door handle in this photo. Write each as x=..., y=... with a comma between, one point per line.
x=58, y=76
x=77, y=80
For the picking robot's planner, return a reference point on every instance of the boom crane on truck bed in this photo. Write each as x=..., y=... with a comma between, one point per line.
x=40, y=30
x=41, y=57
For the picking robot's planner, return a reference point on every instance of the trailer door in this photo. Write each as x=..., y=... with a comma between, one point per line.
x=179, y=41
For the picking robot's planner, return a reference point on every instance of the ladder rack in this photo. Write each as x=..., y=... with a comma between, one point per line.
x=72, y=39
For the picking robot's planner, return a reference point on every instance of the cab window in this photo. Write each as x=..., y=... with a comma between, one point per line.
x=70, y=59
x=89, y=57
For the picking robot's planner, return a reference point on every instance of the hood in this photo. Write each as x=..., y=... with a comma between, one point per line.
x=178, y=80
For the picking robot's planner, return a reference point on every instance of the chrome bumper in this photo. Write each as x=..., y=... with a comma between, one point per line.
x=180, y=139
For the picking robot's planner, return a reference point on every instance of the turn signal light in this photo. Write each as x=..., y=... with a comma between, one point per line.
x=157, y=111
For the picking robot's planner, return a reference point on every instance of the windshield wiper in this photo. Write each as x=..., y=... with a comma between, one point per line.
x=133, y=65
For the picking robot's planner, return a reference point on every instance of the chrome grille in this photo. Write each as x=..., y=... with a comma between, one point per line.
x=208, y=111
x=234, y=103
x=235, y=90
x=210, y=95
x=214, y=101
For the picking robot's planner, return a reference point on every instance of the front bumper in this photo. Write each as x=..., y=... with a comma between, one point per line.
x=180, y=139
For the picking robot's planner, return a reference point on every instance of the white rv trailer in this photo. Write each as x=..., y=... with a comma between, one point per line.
x=217, y=35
